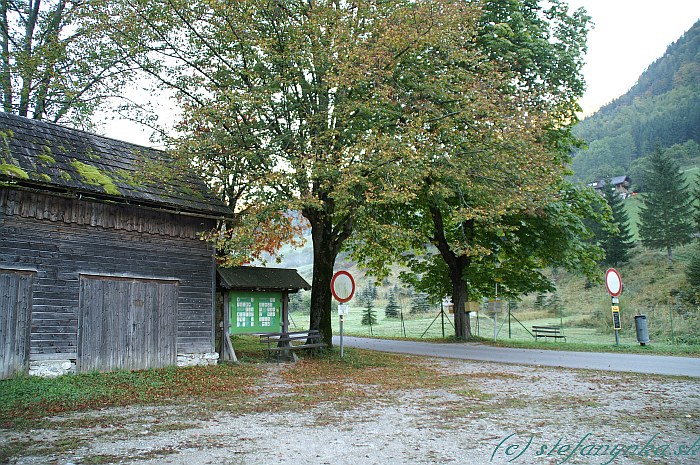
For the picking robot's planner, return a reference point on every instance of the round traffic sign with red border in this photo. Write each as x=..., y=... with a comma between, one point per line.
x=342, y=286
x=613, y=282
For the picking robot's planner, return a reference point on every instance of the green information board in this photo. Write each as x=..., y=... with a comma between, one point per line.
x=255, y=312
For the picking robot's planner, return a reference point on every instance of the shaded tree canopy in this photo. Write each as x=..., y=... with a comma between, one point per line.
x=517, y=248
x=692, y=272
x=696, y=204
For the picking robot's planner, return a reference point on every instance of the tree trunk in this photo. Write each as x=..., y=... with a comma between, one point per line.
x=6, y=77
x=459, y=298
x=28, y=46
x=324, y=260
x=52, y=36
x=329, y=230
x=457, y=265
x=327, y=239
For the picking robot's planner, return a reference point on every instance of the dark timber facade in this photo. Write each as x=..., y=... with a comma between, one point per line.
x=100, y=269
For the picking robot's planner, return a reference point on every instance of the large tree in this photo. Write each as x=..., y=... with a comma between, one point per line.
x=55, y=62
x=321, y=107
x=340, y=110
x=492, y=191
x=665, y=217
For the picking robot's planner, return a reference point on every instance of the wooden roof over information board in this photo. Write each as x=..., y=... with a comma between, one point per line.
x=250, y=278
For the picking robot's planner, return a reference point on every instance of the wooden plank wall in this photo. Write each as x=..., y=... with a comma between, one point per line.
x=73, y=210
x=61, y=252
x=15, y=308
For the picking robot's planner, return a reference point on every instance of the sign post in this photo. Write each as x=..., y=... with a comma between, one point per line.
x=614, y=284
x=495, y=306
x=342, y=288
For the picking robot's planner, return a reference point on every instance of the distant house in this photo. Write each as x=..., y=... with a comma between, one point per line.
x=621, y=184
x=100, y=269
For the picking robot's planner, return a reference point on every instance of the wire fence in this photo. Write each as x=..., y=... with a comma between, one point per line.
x=668, y=325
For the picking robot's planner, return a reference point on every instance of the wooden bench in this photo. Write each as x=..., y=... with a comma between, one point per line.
x=548, y=331
x=279, y=344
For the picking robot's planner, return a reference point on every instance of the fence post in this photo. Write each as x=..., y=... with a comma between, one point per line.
x=510, y=334
x=670, y=315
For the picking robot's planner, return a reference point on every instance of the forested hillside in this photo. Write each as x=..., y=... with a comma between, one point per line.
x=662, y=109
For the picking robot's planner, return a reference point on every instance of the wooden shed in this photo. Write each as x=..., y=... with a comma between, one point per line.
x=100, y=268
x=256, y=300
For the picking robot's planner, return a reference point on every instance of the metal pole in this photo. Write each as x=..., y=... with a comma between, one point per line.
x=495, y=325
x=495, y=315
x=341, y=336
x=561, y=317
x=613, y=302
x=442, y=319
x=670, y=314
x=510, y=334
x=403, y=325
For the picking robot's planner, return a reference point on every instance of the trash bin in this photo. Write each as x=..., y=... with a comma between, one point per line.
x=640, y=323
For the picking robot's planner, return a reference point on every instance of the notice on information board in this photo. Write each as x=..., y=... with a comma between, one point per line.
x=245, y=312
x=255, y=312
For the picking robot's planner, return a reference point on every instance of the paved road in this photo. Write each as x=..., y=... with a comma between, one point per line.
x=650, y=364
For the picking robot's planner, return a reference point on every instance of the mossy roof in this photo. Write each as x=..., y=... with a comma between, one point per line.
x=60, y=158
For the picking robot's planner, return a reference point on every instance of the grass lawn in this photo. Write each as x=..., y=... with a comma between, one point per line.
x=632, y=205
x=27, y=398
x=508, y=334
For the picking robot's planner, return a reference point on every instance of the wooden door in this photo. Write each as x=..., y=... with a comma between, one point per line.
x=126, y=323
x=15, y=318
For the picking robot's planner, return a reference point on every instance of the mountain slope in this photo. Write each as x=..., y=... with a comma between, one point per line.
x=662, y=108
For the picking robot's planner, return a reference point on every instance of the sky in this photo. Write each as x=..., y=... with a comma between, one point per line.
x=628, y=35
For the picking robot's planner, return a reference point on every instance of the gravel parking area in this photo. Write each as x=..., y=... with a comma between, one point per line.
x=471, y=413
